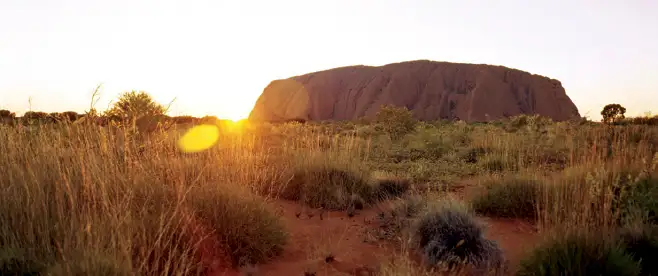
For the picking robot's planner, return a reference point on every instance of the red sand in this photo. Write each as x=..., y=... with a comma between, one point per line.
x=314, y=237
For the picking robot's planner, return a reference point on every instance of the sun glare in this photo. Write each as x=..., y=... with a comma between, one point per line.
x=199, y=138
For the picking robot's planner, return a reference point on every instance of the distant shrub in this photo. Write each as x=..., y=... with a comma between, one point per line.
x=528, y=123
x=7, y=117
x=425, y=143
x=7, y=114
x=396, y=121
x=646, y=120
x=35, y=115
x=449, y=235
x=577, y=254
x=510, y=197
x=71, y=116
x=185, y=120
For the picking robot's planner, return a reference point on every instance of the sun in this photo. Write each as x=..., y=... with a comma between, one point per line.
x=236, y=118
x=237, y=111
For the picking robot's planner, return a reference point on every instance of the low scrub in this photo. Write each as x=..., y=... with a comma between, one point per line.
x=244, y=225
x=510, y=197
x=387, y=185
x=335, y=188
x=395, y=222
x=329, y=188
x=580, y=254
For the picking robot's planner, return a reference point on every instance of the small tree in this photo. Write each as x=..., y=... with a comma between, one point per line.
x=613, y=113
x=397, y=121
x=135, y=104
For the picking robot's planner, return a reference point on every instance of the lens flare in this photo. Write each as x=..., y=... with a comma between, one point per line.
x=199, y=138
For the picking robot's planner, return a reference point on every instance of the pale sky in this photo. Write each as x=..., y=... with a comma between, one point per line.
x=216, y=56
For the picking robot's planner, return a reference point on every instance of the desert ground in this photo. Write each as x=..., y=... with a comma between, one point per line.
x=388, y=196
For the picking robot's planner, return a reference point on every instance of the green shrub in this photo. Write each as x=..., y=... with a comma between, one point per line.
x=396, y=121
x=579, y=254
x=511, y=197
x=642, y=198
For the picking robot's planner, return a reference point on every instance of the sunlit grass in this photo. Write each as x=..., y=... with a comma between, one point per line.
x=92, y=199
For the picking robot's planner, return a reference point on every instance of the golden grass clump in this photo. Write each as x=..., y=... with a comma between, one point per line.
x=90, y=199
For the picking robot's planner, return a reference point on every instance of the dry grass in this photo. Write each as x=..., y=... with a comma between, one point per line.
x=84, y=195
x=106, y=200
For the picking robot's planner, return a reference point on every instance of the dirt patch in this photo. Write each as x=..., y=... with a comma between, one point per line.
x=515, y=237
x=331, y=243
x=328, y=243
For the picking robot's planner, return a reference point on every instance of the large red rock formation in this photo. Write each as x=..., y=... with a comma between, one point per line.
x=432, y=90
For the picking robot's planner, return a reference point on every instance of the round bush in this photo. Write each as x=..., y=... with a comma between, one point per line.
x=450, y=235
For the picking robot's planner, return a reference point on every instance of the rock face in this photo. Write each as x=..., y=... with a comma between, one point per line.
x=431, y=90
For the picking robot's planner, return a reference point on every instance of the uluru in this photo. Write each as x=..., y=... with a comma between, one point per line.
x=430, y=89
